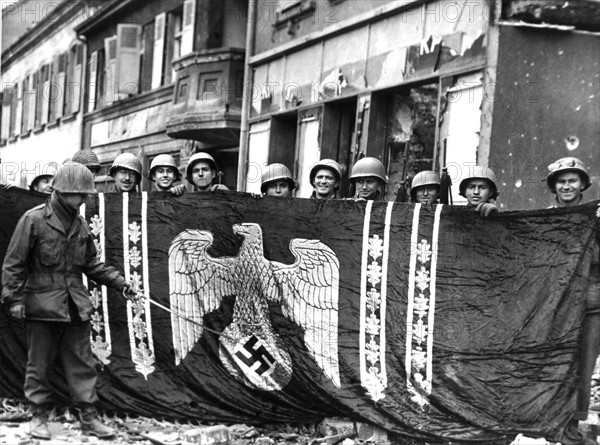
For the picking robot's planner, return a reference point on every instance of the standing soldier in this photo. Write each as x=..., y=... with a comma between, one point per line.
x=425, y=188
x=277, y=181
x=126, y=170
x=88, y=158
x=369, y=179
x=163, y=172
x=568, y=179
x=42, y=283
x=479, y=188
x=325, y=177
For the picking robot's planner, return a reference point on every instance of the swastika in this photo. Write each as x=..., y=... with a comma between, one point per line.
x=256, y=355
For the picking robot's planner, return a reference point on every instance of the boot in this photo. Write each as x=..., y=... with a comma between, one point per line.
x=38, y=426
x=88, y=417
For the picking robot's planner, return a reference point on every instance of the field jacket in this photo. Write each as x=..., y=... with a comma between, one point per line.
x=43, y=266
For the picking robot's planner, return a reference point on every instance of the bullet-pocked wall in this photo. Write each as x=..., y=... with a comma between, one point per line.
x=546, y=106
x=349, y=79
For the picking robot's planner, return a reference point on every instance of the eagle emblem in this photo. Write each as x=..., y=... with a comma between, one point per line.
x=250, y=349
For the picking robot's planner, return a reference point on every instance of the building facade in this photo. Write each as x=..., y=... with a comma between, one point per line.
x=421, y=85
x=42, y=88
x=161, y=78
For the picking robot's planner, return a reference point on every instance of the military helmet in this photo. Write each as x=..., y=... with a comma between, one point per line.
x=73, y=177
x=48, y=171
x=368, y=167
x=328, y=164
x=425, y=177
x=480, y=172
x=568, y=164
x=128, y=161
x=273, y=172
x=88, y=158
x=164, y=160
x=199, y=157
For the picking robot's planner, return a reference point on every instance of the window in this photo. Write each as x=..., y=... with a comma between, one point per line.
x=58, y=86
x=174, y=43
x=73, y=79
x=122, y=66
x=43, y=95
x=147, y=62
x=187, y=29
x=158, y=53
x=7, y=94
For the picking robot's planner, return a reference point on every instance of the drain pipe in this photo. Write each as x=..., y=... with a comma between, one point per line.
x=246, y=98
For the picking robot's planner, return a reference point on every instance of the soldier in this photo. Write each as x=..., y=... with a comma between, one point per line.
x=369, y=179
x=479, y=188
x=42, y=284
x=164, y=172
x=126, y=170
x=88, y=158
x=277, y=181
x=325, y=177
x=201, y=171
x=568, y=179
x=425, y=188
x=43, y=182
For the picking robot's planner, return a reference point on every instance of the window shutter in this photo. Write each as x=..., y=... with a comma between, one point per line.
x=18, y=109
x=6, y=104
x=45, y=96
x=25, y=113
x=76, y=81
x=159, y=50
x=128, y=59
x=37, y=85
x=31, y=100
x=91, y=89
x=110, y=78
x=187, y=30
x=57, y=87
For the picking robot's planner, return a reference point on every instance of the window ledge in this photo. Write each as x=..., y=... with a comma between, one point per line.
x=25, y=134
x=13, y=138
x=53, y=124
x=71, y=117
x=38, y=130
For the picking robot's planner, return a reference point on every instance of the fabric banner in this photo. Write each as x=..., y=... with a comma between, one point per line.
x=431, y=322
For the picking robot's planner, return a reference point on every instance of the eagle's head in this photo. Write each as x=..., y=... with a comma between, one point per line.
x=249, y=231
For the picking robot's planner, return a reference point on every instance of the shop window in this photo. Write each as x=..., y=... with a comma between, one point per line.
x=411, y=134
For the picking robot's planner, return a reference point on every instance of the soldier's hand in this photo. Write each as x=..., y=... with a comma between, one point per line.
x=130, y=291
x=485, y=208
x=256, y=195
x=18, y=311
x=178, y=190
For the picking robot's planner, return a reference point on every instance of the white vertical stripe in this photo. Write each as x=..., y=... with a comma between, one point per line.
x=102, y=216
x=411, y=289
x=82, y=214
x=382, y=307
x=145, y=270
x=364, y=375
x=126, y=268
x=431, y=316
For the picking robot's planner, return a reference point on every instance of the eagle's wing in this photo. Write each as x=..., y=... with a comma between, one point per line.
x=197, y=283
x=309, y=296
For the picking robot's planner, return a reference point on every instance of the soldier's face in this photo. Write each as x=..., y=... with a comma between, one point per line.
x=477, y=191
x=43, y=185
x=427, y=194
x=279, y=188
x=164, y=177
x=325, y=183
x=368, y=187
x=568, y=188
x=203, y=175
x=125, y=180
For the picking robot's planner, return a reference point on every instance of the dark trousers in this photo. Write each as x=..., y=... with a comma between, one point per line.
x=71, y=342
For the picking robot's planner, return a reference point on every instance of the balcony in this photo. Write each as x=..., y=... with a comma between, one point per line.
x=207, y=101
